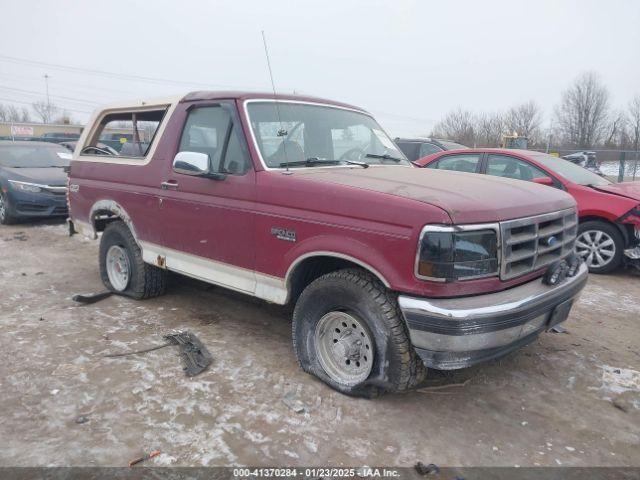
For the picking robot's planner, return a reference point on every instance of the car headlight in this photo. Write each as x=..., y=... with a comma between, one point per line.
x=447, y=254
x=25, y=186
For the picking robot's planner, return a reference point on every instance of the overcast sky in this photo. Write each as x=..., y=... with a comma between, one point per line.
x=406, y=61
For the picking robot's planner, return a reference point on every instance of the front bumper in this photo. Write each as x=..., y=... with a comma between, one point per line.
x=43, y=204
x=453, y=333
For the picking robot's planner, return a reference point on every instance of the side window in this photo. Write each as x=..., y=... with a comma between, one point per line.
x=511, y=167
x=211, y=130
x=428, y=149
x=459, y=163
x=410, y=149
x=126, y=134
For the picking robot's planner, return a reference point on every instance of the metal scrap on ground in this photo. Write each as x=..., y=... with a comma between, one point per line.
x=194, y=354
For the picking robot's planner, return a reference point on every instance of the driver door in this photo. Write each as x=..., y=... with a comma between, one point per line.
x=208, y=230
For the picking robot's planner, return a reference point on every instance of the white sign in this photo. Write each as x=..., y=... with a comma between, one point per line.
x=21, y=131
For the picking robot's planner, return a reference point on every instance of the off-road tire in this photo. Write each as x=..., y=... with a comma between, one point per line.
x=396, y=366
x=6, y=219
x=146, y=281
x=615, y=235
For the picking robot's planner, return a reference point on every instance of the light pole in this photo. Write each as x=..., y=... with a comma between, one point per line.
x=46, y=83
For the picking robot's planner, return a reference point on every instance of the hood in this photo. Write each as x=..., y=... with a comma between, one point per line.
x=53, y=176
x=626, y=189
x=466, y=197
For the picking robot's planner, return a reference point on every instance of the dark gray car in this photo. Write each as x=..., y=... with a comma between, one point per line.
x=415, y=148
x=33, y=181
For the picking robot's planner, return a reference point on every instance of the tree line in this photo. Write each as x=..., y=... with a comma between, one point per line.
x=45, y=112
x=584, y=119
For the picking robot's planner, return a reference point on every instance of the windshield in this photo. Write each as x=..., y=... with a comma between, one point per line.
x=568, y=170
x=301, y=135
x=34, y=156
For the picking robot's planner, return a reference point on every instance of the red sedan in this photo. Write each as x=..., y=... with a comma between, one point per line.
x=609, y=231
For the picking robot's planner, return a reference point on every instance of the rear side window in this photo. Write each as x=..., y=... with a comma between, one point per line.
x=125, y=134
x=458, y=163
x=211, y=130
x=428, y=149
x=511, y=167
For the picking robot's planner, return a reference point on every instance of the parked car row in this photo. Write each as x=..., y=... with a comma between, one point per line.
x=391, y=269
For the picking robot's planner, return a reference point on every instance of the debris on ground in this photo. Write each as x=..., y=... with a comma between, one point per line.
x=559, y=329
x=443, y=387
x=155, y=453
x=297, y=405
x=89, y=298
x=195, y=356
x=431, y=469
x=82, y=419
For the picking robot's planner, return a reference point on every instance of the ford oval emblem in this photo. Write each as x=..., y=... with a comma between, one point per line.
x=551, y=241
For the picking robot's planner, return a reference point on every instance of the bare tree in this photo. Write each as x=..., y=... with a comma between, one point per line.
x=11, y=113
x=45, y=110
x=616, y=133
x=489, y=129
x=525, y=120
x=583, y=111
x=458, y=126
x=634, y=122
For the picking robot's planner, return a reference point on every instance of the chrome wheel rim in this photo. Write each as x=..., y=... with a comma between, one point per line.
x=118, y=267
x=344, y=348
x=596, y=248
x=3, y=208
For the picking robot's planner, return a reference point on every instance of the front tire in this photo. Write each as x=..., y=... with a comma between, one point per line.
x=121, y=266
x=600, y=245
x=348, y=331
x=5, y=217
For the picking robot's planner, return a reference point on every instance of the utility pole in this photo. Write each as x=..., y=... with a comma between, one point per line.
x=46, y=83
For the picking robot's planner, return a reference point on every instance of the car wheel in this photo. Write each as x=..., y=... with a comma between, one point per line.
x=349, y=332
x=600, y=245
x=5, y=218
x=122, y=268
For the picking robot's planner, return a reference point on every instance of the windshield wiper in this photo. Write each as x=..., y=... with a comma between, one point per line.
x=310, y=162
x=360, y=164
x=386, y=156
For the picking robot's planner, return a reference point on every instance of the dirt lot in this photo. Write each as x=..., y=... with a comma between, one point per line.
x=569, y=399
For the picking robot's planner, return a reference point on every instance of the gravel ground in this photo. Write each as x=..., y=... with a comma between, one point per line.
x=569, y=399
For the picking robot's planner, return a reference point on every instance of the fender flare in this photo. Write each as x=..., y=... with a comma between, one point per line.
x=327, y=253
x=114, y=208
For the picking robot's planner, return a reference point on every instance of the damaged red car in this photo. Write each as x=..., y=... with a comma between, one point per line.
x=609, y=213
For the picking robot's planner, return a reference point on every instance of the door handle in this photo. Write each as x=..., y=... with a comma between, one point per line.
x=170, y=185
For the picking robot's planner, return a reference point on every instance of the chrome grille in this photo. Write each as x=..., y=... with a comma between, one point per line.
x=531, y=243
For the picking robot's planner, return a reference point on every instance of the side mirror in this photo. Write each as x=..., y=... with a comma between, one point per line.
x=195, y=164
x=543, y=181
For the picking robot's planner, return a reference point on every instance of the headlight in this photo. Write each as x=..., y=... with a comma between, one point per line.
x=25, y=187
x=446, y=254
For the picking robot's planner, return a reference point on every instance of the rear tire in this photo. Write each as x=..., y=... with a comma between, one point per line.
x=340, y=309
x=121, y=266
x=600, y=245
x=5, y=217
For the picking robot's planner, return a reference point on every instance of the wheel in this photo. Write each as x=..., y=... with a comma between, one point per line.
x=5, y=218
x=600, y=245
x=122, y=268
x=348, y=331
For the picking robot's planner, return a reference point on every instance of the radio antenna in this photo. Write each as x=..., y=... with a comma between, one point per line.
x=281, y=131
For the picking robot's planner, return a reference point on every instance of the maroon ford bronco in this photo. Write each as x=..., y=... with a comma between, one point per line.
x=306, y=201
